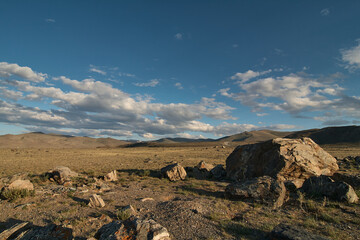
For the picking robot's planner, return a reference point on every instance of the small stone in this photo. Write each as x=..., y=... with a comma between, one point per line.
x=21, y=185
x=174, y=172
x=96, y=201
x=111, y=176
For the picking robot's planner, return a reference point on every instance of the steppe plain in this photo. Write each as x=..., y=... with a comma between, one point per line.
x=189, y=209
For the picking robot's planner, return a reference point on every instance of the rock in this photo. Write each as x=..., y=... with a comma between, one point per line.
x=62, y=174
x=349, y=178
x=262, y=189
x=325, y=186
x=203, y=166
x=133, y=228
x=26, y=231
x=292, y=160
x=291, y=232
x=111, y=176
x=218, y=172
x=21, y=185
x=174, y=172
x=96, y=201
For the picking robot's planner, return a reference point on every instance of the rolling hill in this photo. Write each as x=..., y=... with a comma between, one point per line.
x=41, y=140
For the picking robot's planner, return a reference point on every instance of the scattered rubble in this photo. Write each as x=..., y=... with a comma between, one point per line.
x=96, y=201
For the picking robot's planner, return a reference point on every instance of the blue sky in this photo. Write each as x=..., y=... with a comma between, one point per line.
x=152, y=69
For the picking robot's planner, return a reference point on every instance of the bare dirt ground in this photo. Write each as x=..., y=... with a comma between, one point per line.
x=190, y=209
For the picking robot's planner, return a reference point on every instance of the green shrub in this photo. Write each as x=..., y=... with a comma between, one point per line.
x=13, y=194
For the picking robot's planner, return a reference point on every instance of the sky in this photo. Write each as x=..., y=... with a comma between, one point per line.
x=196, y=69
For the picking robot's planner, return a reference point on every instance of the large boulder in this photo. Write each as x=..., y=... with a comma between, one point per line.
x=174, y=172
x=289, y=160
x=133, y=228
x=262, y=189
x=62, y=174
x=325, y=186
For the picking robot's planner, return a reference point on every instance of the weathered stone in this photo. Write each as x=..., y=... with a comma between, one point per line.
x=293, y=160
x=133, y=228
x=203, y=166
x=21, y=185
x=26, y=231
x=325, y=186
x=262, y=189
x=352, y=179
x=62, y=174
x=130, y=210
x=111, y=176
x=218, y=172
x=174, y=172
x=291, y=232
x=96, y=201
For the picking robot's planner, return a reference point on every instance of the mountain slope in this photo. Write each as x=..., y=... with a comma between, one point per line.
x=331, y=135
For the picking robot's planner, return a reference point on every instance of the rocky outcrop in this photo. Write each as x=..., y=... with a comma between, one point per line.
x=290, y=232
x=96, y=201
x=205, y=171
x=288, y=160
x=174, y=172
x=262, y=189
x=218, y=172
x=325, y=186
x=133, y=228
x=111, y=176
x=62, y=174
x=350, y=178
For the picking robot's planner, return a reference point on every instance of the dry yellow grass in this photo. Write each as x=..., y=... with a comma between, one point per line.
x=101, y=160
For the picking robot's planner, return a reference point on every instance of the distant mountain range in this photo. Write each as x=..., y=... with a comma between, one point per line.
x=329, y=135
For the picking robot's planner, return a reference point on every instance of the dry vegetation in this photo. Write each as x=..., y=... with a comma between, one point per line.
x=190, y=209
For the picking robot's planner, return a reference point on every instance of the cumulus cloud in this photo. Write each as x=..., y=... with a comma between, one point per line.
x=246, y=76
x=151, y=83
x=12, y=69
x=351, y=56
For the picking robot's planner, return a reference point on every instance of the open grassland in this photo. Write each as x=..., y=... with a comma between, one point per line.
x=102, y=160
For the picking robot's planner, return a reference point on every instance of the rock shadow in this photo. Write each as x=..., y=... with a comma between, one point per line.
x=203, y=192
x=142, y=172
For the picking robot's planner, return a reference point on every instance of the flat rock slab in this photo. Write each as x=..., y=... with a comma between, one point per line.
x=133, y=228
x=288, y=160
x=287, y=232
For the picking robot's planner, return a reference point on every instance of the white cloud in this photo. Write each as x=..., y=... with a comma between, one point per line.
x=325, y=12
x=246, y=76
x=178, y=36
x=122, y=74
x=50, y=20
x=351, y=56
x=148, y=136
x=10, y=69
x=10, y=94
x=151, y=83
x=261, y=114
x=178, y=85
x=97, y=70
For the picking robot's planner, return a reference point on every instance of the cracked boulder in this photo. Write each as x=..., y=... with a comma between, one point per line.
x=174, y=172
x=289, y=160
x=262, y=189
